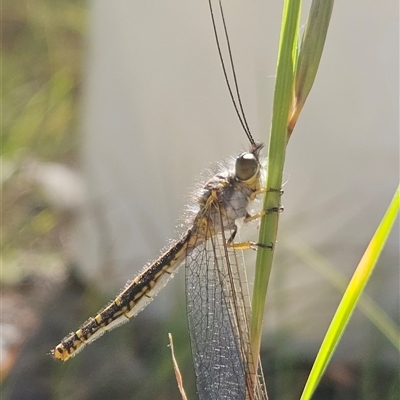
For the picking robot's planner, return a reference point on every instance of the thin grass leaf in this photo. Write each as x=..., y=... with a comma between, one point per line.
x=295, y=76
x=276, y=158
x=338, y=280
x=310, y=52
x=351, y=296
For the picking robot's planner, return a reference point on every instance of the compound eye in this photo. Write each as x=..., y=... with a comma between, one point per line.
x=246, y=166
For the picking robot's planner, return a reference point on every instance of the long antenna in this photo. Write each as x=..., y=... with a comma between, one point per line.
x=239, y=110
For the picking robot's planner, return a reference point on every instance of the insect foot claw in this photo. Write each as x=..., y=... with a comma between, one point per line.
x=278, y=209
x=274, y=190
x=266, y=246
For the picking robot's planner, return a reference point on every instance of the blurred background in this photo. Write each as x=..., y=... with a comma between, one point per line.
x=111, y=111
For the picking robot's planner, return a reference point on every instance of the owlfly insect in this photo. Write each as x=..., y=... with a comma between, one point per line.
x=216, y=288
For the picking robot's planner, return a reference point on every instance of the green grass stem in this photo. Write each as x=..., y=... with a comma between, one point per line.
x=352, y=296
x=276, y=159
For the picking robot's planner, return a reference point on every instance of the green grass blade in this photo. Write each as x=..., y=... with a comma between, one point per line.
x=351, y=297
x=284, y=100
x=310, y=52
x=338, y=280
x=296, y=71
x=276, y=158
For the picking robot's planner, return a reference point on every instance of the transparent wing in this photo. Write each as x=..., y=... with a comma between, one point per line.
x=218, y=314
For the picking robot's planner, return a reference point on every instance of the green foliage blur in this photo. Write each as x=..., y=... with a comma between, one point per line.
x=42, y=48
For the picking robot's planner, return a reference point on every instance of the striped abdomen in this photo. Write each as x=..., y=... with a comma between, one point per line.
x=136, y=295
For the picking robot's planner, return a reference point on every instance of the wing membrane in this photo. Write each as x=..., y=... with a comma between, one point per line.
x=218, y=314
